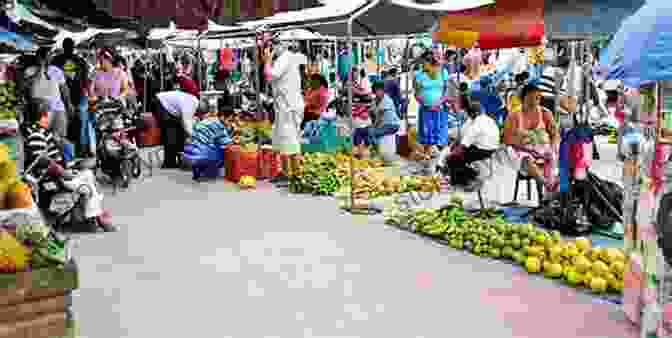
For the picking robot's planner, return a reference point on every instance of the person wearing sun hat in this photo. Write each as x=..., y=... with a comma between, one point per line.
x=282, y=68
x=533, y=137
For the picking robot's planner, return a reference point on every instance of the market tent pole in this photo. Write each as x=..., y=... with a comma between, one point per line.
x=378, y=66
x=349, y=87
x=161, y=70
x=147, y=74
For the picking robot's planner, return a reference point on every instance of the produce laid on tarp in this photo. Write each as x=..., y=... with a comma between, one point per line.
x=575, y=261
x=330, y=173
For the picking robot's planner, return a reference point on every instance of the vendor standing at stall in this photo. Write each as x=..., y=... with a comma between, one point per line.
x=431, y=84
x=282, y=70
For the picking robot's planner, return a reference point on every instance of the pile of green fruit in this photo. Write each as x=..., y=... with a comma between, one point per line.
x=8, y=100
x=318, y=175
x=536, y=250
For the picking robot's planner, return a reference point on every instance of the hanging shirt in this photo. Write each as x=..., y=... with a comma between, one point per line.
x=226, y=59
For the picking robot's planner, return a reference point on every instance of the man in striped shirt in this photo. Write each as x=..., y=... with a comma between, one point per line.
x=38, y=139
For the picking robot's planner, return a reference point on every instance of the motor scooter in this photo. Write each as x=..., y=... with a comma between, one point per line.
x=67, y=197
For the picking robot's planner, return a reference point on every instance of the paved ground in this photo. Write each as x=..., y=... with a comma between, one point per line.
x=205, y=261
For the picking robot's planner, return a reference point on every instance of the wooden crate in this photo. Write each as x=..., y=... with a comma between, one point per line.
x=27, y=286
x=49, y=325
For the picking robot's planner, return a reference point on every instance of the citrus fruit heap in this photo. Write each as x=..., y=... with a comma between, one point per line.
x=537, y=250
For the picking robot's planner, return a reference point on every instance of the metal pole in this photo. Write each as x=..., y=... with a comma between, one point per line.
x=349, y=85
x=147, y=74
x=378, y=65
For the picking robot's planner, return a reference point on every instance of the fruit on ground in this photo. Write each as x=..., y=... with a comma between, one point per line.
x=582, y=264
x=533, y=265
x=574, y=278
x=617, y=268
x=507, y=252
x=587, y=278
x=598, y=284
x=555, y=253
x=583, y=244
x=615, y=255
x=553, y=270
x=599, y=269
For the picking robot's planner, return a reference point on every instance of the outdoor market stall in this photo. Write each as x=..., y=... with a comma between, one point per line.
x=365, y=19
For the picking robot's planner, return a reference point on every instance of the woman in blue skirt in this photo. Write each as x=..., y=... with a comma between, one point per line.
x=431, y=84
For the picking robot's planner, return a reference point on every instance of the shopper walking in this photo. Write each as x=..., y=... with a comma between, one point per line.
x=76, y=71
x=48, y=83
x=282, y=70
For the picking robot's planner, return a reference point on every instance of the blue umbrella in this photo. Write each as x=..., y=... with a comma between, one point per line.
x=641, y=50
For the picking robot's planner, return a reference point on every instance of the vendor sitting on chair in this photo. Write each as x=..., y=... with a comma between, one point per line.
x=479, y=139
x=210, y=136
x=385, y=121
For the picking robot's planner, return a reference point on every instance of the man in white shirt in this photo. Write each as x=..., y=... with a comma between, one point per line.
x=479, y=140
x=177, y=119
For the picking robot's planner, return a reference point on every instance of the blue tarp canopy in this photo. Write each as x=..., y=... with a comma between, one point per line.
x=641, y=51
x=584, y=17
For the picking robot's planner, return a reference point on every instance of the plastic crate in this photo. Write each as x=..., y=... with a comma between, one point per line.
x=330, y=146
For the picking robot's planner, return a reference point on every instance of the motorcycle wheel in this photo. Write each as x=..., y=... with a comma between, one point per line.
x=137, y=167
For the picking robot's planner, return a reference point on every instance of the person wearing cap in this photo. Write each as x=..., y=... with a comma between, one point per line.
x=282, y=70
x=48, y=83
x=385, y=122
x=533, y=137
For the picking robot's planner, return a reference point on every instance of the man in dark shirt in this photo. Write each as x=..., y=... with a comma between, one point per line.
x=393, y=90
x=77, y=76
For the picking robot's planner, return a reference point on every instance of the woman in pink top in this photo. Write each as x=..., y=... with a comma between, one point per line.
x=121, y=67
x=107, y=81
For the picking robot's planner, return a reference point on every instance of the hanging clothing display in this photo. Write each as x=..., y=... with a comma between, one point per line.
x=225, y=63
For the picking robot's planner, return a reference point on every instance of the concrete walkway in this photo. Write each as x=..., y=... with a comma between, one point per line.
x=209, y=261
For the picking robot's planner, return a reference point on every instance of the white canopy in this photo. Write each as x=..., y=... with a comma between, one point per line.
x=209, y=44
x=300, y=34
x=172, y=32
x=380, y=18
x=79, y=37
